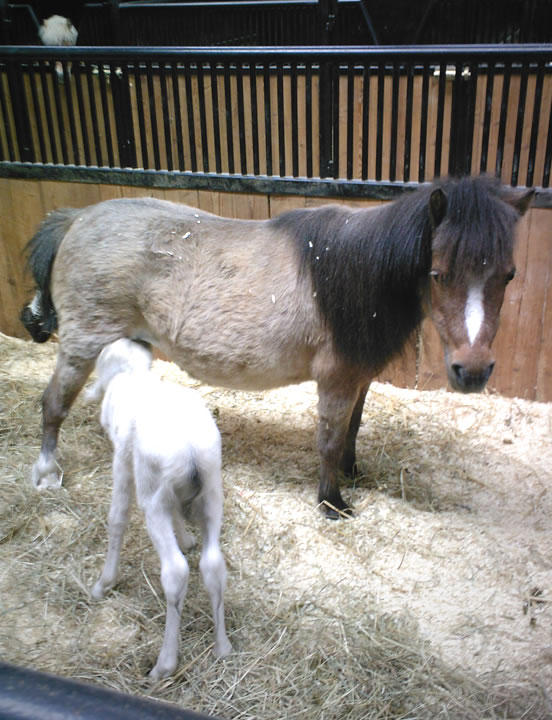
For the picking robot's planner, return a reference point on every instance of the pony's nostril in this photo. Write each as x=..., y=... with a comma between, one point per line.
x=458, y=370
x=490, y=370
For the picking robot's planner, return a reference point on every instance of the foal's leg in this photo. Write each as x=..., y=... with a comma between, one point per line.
x=66, y=382
x=121, y=499
x=335, y=410
x=174, y=578
x=348, y=460
x=208, y=507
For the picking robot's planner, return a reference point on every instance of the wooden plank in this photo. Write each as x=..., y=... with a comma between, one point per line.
x=66, y=194
x=541, y=223
x=507, y=335
x=279, y=204
x=531, y=331
x=21, y=210
x=235, y=205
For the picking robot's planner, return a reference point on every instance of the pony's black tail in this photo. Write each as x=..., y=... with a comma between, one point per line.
x=39, y=316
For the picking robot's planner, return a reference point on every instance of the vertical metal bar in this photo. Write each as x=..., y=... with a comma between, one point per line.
x=105, y=113
x=503, y=118
x=440, y=119
x=294, y=121
x=241, y=119
x=394, y=123
x=455, y=121
x=254, y=115
x=489, y=90
x=59, y=113
x=20, y=111
x=308, y=117
x=67, y=81
x=408, y=122
x=177, y=115
x=268, y=118
x=94, y=114
x=9, y=138
x=335, y=119
x=202, y=116
x=281, y=119
x=166, y=114
x=469, y=117
x=548, y=154
x=77, y=74
x=520, y=119
x=539, y=80
x=36, y=113
x=365, y=120
x=153, y=116
x=216, y=116
x=423, y=123
x=379, y=115
x=229, y=116
x=324, y=114
x=191, y=121
x=350, y=118
x=141, y=114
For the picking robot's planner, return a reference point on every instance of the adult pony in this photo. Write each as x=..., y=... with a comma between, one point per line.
x=329, y=294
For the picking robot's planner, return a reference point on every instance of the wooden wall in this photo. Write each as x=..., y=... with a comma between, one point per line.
x=523, y=346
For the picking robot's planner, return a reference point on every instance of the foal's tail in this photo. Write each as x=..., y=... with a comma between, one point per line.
x=39, y=316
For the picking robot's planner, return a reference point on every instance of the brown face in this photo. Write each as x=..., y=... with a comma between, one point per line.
x=466, y=314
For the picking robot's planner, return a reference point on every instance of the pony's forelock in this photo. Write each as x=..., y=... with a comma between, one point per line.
x=478, y=227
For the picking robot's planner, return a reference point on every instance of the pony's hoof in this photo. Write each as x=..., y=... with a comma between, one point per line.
x=333, y=512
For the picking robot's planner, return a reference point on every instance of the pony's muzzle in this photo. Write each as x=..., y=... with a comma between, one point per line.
x=466, y=380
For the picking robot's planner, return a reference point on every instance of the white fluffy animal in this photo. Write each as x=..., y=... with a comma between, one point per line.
x=166, y=441
x=58, y=30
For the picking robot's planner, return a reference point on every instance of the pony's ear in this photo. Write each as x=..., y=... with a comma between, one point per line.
x=520, y=200
x=437, y=207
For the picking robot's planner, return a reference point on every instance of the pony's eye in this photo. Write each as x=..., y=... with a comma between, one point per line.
x=439, y=277
x=510, y=276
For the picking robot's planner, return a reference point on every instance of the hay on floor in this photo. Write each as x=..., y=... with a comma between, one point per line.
x=432, y=602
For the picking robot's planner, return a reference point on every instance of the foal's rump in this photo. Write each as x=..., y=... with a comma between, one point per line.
x=221, y=297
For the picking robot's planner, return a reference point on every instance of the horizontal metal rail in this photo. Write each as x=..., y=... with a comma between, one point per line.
x=31, y=695
x=350, y=121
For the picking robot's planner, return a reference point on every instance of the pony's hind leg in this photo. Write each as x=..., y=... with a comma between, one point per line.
x=208, y=507
x=64, y=386
x=174, y=579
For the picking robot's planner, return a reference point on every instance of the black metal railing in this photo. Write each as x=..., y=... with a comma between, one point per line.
x=343, y=119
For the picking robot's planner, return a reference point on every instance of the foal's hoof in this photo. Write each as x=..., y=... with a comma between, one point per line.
x=43, y=479
x=333, y=512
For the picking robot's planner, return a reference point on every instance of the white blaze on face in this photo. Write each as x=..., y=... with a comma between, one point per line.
x=475, y=312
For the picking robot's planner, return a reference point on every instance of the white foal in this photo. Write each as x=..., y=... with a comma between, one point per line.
x=165, y=439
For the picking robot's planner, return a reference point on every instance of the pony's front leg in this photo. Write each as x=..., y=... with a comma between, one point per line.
x=335, y=409
x=66, y=382
x=348, y=460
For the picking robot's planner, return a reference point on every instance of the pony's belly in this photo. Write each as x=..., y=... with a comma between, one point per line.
x=240, y=372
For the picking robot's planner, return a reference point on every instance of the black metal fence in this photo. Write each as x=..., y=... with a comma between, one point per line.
x=349, y=120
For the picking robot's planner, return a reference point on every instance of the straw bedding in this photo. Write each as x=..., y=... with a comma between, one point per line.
x=432, y=602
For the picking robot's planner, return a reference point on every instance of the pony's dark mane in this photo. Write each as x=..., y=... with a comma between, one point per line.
x=368, y=267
